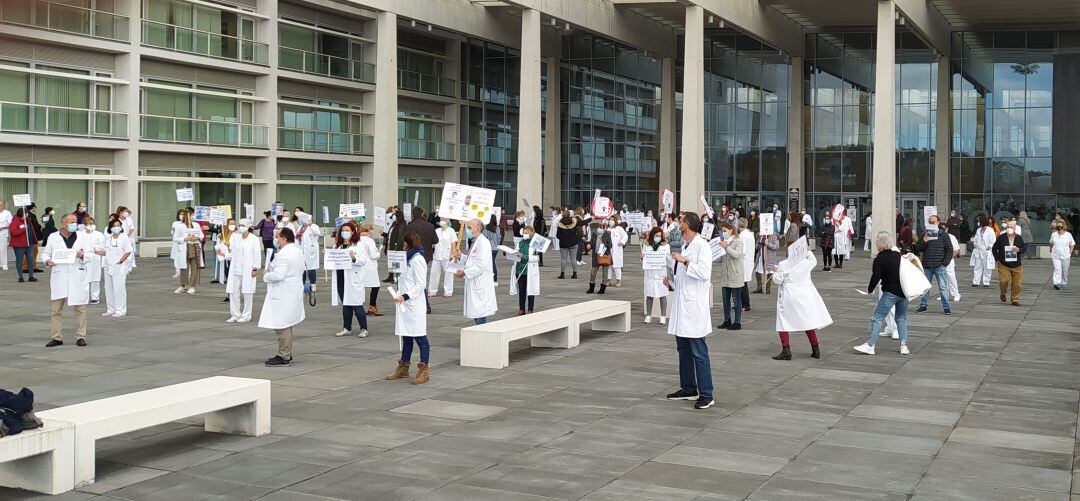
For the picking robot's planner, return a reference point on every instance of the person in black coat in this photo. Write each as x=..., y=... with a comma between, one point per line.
x=539, y=225
x=569, y=236
x=32, y=222
x=886, y=271
x=1008, y=251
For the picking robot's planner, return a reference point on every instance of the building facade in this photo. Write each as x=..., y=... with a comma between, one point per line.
x=879, y=105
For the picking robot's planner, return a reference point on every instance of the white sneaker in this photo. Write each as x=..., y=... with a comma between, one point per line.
x=191, y=290
x=431, y=294
x=242, y=320
x=447, y=294
x=865, y=348
x=956, y=299
x=176, y=275
x=895, y=335
x=496, y=284
x=344, y=332
x=178, y=290
x=362, y=333
x=663, y=320
x=648, y=319
x=904, y=350
x=231, y=320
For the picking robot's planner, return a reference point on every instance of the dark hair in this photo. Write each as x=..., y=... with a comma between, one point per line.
x=693, y=221
x=355, y=233
x=120, y=210
x=287, y=234
x=266, y=213
x=115, y=220
x=412, y=240
x=48, y=210
x=493, y=223
x=649, y=237
x=298, y=208
x=19, y=214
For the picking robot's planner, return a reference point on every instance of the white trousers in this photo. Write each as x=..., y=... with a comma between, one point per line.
x=240, y=305
x=5, y=239
x=866, y=244
x=116, y=293
x=438, y=268
x=1061, y=270
x=95, y=291
x=950, y=274
x=614, y=272
x=982, y=274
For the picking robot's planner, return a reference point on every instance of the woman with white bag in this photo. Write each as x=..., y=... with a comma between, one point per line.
x=887, y=266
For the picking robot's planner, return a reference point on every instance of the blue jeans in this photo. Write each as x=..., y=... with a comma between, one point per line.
x=580, y=250
x=728, y=294
x=480, y=321
x=406, y=348
x=695, y=372
x=310, y=276
x=942, y=285
x=347, y=313
x=24, y=253
x=887, y=302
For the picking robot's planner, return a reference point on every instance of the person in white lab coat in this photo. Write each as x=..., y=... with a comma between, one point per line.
x=655, y=288
x=283, y=307
x=479, y=282
x=410, y=312
x=347, y=286
x=440, y=258
x=117, y=262
x=93, y=262
x=526, y=272
x=1062, y=244
x=982, y=260
x=799, y=307
x=186, y=251
x=371, y=253
x=245, y=261
x=223, y=250
x=129, y=226
x=5, y=235
x=869, y=230
x=308, y=236
x=619, y=239
x=691, y=318
x=68, y=284
x=842, y=233
x=950, y=269
x=749, y=246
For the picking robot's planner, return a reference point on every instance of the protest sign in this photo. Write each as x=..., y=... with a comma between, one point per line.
x=325, y=214
x=407, y=209
x=929, y=210
x=63, y=256
x=602, y=207
x=654, y=260
x=337, y=259
x=707, y=230
x=185, y=195
x=667, y=198
x=838, y=212
x=217, y=216
x=766, y=220
x=202, y=213
x=277, y=209
x=462, y=202
x=351, y=211
x=798, y=248
x=395, y=260
x=379, y=218
x=539, y=243
x=635, y=220
x=23, y=200
x=717, y=251
x=249, y=212
x=708, y=208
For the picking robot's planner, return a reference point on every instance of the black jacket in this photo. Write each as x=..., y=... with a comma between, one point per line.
x=999, y=250
x=886, y=271
x=427, y=236
x=567, y=233
x=935, y=253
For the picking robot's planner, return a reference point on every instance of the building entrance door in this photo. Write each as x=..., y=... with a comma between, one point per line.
x=911, y=206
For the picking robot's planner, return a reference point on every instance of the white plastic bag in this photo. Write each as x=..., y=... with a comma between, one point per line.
x=912, y=279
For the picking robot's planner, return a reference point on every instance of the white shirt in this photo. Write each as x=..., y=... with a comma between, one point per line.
x=5, y=220
x=1060, y=244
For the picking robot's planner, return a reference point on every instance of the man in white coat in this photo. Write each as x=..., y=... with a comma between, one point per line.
x=842, y=239
x=982, y=261
x=308, y=235
x=283, y=307
x=246, y=250
x=68, y=281
x=691, y=319
x=479, y=282
x=950, y=269
x=868, y=233
x=749, y=243
x=5, y=235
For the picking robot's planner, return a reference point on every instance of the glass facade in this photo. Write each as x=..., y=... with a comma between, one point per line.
x=490, y=118
x=321, y=52
x=323, y=129
x=190, y=116
x=57, y=105
x=610, y=120
x=187, y=27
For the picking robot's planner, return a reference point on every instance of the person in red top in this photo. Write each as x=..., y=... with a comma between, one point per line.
x=22, y=235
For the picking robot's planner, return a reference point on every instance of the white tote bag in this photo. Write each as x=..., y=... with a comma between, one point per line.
x=912, y=279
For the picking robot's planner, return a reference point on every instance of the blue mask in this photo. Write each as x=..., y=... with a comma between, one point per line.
x=276, y=243
x=468, y=233
x=116, y=230
x=345, y=235
x=72, y=227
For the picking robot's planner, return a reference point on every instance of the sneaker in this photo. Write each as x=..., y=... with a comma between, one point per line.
x=447, y=294
x=682, y=395
x=191, y=290
x=921, y=309
x=956, y=299
x=244, y=320
x=895, y=335
x=648, y=319
x=735, y=326
x=865, y=348
x=343, y=333
x=904, y=350
x=1016, y=303
x=214, y=281
x=974, y=285
x=178, y=290
x=704, y=403
x=176, y=275
x=277, y=361
x=362, y=333
x=95, y=301
x=232, y=320
x=724, y=325
x=31, y=279
x=747, y=308
x=663, y=320
x=431, y=294
x=948, y=311
x=496, y=284
x=118, y=315
x=1056, y=287
x=986, y=285
x=107, y=314
x=80, y=342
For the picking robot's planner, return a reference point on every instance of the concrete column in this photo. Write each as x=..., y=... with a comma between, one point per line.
x=127, y=99
x=692, y=175
x=266, y=86
x=796, y=148
x=529, y=178
x=884, y=174
x=943, y=138
x=667, y=129
x=553, y=138
x=384, y=180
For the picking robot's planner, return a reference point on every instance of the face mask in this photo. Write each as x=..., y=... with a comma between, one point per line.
x=468, y=233
x=52, y=213
x=599, y=231
x=179, y=217
x=277, y=244
x=656, y=239
x=80, y=227
x=611, y=224
x=1010, y=231
x=443, y=223
x=526, y=235
x=81, y=209
x=649, y=214
x=346, y=235
x=127, y=214
x=521, y=220
x=91, y=228
x=116, y=230
x=72, y=227
x=232, y=227
x=243, y=229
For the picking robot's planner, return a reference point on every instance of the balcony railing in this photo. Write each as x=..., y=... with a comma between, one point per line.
x=428, y=84
x=65, y=18
x=209, y=132
x=474, y=92
x=426, y=150
x=488, y=154
x=325, y=142
x=179, y=38
x=61, y=121
x=325, y=65
x=616, y=117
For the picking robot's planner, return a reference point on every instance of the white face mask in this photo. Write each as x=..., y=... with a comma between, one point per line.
x=232, y=227
x=90, y=228
x=1011, y=230
x=243, y=229
x=521, y=220
x=656, y=239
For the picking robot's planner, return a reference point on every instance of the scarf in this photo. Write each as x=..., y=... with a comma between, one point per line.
x=412, y=252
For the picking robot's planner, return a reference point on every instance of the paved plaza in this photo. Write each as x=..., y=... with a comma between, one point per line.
x=984, y=408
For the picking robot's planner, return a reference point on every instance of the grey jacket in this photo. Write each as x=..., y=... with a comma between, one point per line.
x=731, y=265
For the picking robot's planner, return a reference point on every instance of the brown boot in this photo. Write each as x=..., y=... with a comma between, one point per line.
x=422, y=375
x=520, y=313
x=373, y=311
x=401, y=372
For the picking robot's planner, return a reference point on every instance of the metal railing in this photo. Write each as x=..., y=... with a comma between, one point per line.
x=474, y=92
x=61, y=121
x=179, y=38
x=428, y=84
x=65, y=18
x=601, y=114
x=326, y=65
x=325, y=142
x=209, y=132
x=426, y=150
x=488, y=154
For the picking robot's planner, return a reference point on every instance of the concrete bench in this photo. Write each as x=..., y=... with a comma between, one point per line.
x=231, y=405
x=41, y=460
x=488, y=345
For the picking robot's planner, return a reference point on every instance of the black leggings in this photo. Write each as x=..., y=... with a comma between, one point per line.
x=826, y=253
x=374, y=296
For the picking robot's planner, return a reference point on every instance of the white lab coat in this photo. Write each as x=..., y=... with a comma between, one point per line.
x=748, y=245
x=479, y=282
x=220, y=245
x=179, y=245
x=841, y=240
x=799, y=307
x=532, y=276
x=447, y=237
x=69, y=280
x=128, y=224
x=371, y=263
x=283, y=306
x=246, y=256
x=690, y=310
x=618, y=236
x=115, y=248
x=309, y=243
x=93, y=261
x=982, y=257
x=354, y=280
x=654, y=279
x=410, y=317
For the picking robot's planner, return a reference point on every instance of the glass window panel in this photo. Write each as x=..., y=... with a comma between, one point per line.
x=914, y=172
x=1038, y=132
x=1038, y=175
x=747, y=171
x=827, y=169
x=1008, y=175
x=1040, y=83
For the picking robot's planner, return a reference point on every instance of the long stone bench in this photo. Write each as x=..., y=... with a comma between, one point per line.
x=41, y=460
x=231, y=405
x=488, y=345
